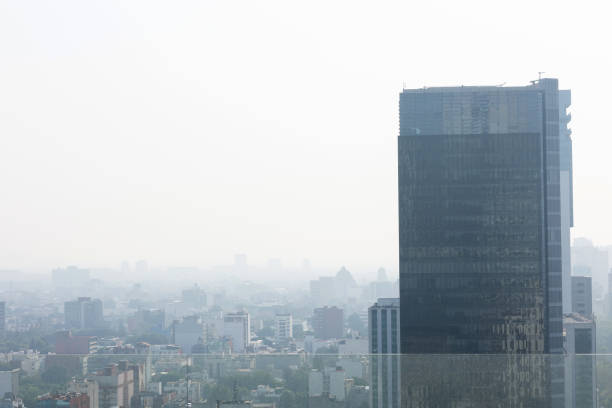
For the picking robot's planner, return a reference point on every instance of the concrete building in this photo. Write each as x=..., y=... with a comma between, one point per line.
x=237, y=326
x=328, y=323
x=582, y=298
x=189, y=332
x=580, y=361
x=86, y=386
x=384, y=348
x=283, y=327
x=480, y=236
x=9, y=382
x=84, y=313
x=116, y=385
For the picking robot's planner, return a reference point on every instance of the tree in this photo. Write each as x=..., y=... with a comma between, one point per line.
x=356, y=324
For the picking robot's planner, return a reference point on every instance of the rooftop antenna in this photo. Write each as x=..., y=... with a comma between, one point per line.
x=540, y=75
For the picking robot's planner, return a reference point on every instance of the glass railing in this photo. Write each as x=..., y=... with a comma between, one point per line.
x=166, y=379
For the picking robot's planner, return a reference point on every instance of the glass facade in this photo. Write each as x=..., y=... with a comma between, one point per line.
x=479, y=227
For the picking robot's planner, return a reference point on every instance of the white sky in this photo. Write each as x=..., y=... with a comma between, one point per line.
x=186, y=131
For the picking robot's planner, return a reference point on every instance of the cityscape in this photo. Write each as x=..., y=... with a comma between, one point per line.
x=326, y=205
x=487, y=272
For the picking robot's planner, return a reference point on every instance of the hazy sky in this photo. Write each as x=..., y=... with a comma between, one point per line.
x=186, y=131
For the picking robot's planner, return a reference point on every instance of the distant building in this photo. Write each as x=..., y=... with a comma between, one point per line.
x=86, y=386
x=151, y=399
x=384, y=349
x=315, y=383
x=237, y=326
x=2, y=317
x=75, y=365
x=589, y=260
x=333, y=289
x=147, y=321
x=337, y=385
x=582, y=298
x=283, y=327
x=66, y=343
x=189, y=332
x=11, y=401
x=70, y=277
x=67, y=400
x=580, y=368
x=84, y=313
x=328, y=323
x=116, y=384
x=9, y=382
x=195, y=297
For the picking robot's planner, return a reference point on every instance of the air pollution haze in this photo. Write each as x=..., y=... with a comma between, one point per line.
x=186, y=132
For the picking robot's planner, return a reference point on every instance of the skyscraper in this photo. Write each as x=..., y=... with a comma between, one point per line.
x=480, y=224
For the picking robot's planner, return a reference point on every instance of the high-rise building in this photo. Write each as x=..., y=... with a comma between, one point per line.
x=384, y=349
x=582, y=298
x=580, y=368
x=328, y=323
x=84, y=313
x=283, y=326
x=237, y=326
x=480, y=232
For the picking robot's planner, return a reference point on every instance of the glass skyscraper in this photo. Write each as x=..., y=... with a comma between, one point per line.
x=480, y=234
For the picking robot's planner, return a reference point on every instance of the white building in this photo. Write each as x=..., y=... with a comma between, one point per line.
x=237, y=326
x=384, y=348
x=283, y=327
